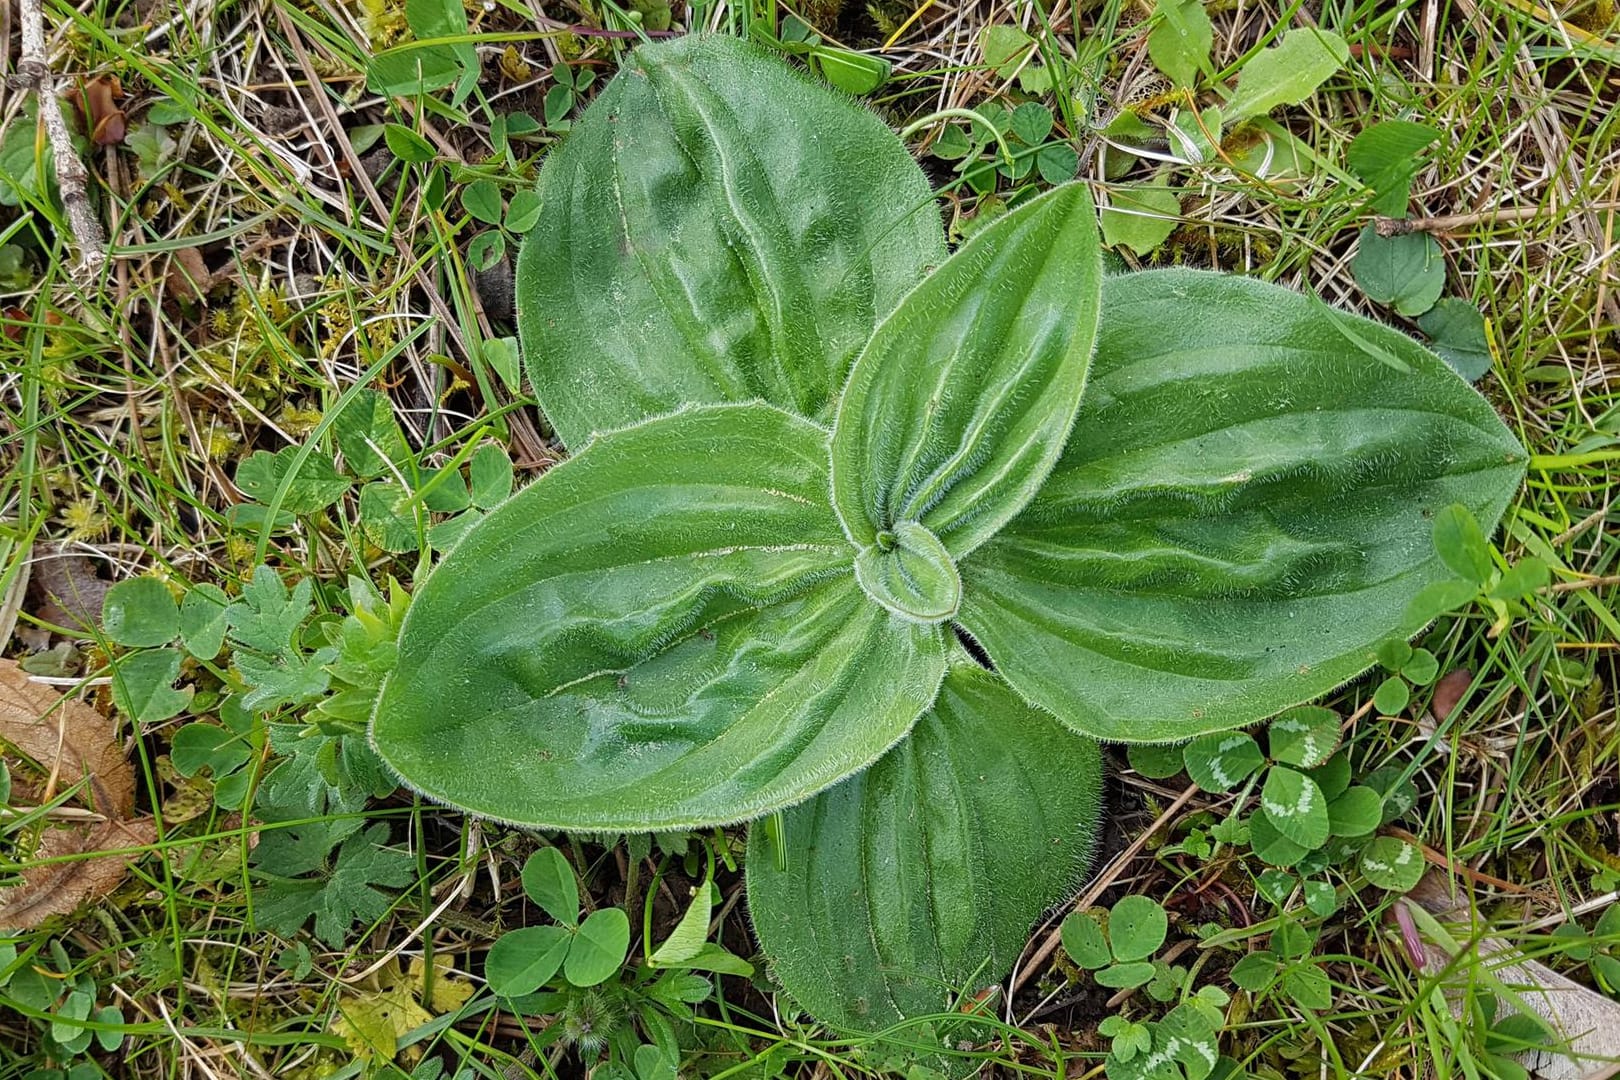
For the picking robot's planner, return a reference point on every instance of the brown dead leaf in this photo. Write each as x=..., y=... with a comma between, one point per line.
x=108, y=125
x=73, y=594
x=71, y=744
x=1448, y=691
x=188, y=278
x=15, y=319
x=58, y=888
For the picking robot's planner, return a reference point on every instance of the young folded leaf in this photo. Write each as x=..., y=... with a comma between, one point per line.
x=1240, y=517
x=654, y=635
x=908, y=571
x=922, y=875
x=959, y=405
x=717, y=227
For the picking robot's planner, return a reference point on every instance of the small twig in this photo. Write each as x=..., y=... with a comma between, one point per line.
x=1437, y=858
x=1584, y=583
x=1579, y=527
x=34, y=73
x=1447, y=222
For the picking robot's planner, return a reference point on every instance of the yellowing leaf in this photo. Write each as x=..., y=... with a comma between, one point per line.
x=374, y=1019
x=448, y=993
x=373, y=1023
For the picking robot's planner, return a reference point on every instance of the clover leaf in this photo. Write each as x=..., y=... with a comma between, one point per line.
x=811, y=453
x=1136, y=929
x=587, y=951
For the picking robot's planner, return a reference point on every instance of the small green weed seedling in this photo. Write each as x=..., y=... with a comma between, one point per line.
x=1143, y=213
x=1402, y=267
x=397, y=496
x=318, y=859
x=819, y=464
x=1505, y=1035
x=1286, y=968
x=1309, y=813
x=850, y=71
x=1117, y=950
x=1117, y=947
x=1598, y=948
x=1407, y=667
x=1479, y=575
x=61, y=999
x=1017, y=141
x=1181, y=1045
x=566, y=969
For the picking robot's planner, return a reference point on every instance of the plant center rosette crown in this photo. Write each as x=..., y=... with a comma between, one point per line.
x=811, y=449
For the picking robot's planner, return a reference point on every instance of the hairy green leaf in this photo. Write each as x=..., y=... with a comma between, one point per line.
x=923, y=874
x=655, y=635
x=957, y=409
x=695, y=248
x=910, y=573
x=1242, y=512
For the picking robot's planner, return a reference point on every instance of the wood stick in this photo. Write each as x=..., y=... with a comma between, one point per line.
x=34, y=73
x=1447, y=222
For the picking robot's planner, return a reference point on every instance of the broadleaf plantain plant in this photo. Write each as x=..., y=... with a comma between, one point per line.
x=813, y=455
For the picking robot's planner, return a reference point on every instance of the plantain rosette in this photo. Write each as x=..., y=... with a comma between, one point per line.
x=811, y=452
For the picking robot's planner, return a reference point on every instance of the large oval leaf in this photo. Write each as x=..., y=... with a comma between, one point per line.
x=958, y=407
x=1242, y=514
x=662, y=632
x=717, y=227
x=924, y=873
